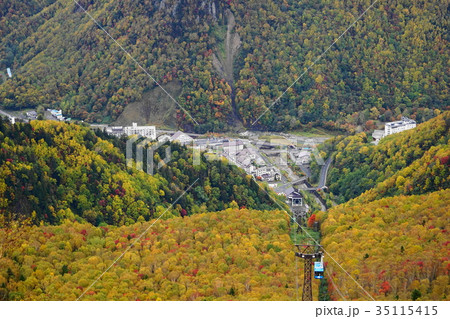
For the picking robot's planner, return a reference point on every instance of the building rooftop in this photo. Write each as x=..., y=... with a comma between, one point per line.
x=304, y=153
x=402, y=122
x=284, y=189
x=136, y=126
x=378, y=134
x=295, y=195
x=179, y=134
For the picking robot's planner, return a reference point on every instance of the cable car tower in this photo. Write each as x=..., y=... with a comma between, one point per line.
x=310, y=253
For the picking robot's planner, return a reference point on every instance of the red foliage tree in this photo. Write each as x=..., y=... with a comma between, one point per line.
x=311, y=220
x=385, y=288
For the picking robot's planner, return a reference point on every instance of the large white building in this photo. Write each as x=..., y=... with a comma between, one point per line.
x=399, y=126
x=115, y=130
x=145, y=131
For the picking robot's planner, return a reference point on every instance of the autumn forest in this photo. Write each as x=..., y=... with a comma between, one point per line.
x=70, y=209
x=81, y=220
x=392, y=63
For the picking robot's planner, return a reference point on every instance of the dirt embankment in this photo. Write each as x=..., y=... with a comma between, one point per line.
x=155, y=108
x=224, y=65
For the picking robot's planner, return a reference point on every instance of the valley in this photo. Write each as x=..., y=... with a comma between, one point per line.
x=225, y=150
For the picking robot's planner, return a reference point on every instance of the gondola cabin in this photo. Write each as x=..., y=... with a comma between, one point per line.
x=318, y=270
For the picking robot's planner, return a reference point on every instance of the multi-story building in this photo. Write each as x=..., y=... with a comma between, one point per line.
x=115, y=130
x=399, y=126
x=268, y=173
x=145, y=131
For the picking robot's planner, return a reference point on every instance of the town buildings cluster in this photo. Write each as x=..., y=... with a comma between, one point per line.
x=238, y=151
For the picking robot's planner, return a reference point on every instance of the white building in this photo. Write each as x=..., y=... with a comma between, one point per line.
x=32, y=115
x=145, y=131
x=399, y=126
x=164, y=138
x=181, y=138
x=115, y=130
x=303, y=158
x=268, y=173
x=295, y=198
x=56, y=114
x=250, y=169
x=263, y=170
x=377, y=136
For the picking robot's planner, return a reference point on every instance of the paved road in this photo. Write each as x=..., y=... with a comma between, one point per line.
x=324, y=172
x=6, y=114
x=10, y=116
x=316, y=196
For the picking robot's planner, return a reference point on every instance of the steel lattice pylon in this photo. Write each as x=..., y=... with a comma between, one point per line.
x=308, y=254
x=307, y=289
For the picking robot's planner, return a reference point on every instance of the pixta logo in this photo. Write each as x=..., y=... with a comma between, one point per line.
x=149, y=146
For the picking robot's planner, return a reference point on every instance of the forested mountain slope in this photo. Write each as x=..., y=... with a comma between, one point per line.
x=393, y=238
x=410, y=162
x=429, y=173
x=229, y=255
x=395, y=247
x=52, y=171
x=392, y=62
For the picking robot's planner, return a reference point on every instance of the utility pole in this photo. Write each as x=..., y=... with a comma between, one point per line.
x=308, y=253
